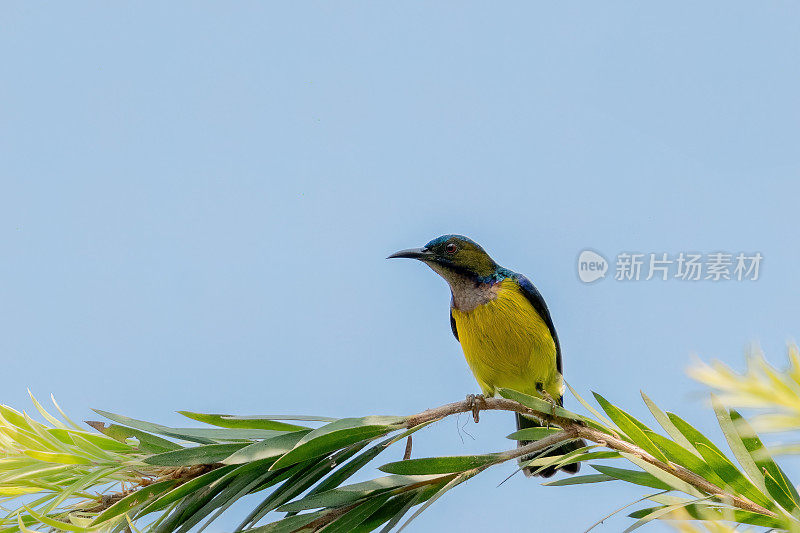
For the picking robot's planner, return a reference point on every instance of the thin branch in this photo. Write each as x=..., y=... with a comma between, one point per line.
x=572, y=429
x=407, y=453
x=488, y=404
x=676, y=470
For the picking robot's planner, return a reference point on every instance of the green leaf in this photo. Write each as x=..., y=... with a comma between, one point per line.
x=65, y=436
x=212, y=435
x=661, y=511
x=337, y=435
x=351, y=467
x=716, y=512
x=243, y=480
x=46, y=438
x=303, y=476
x=15, y=417
x=301, y=418
x=605, y=404
x=294, y=479
x=57, y=524
x=131, y=422
x=691, y=434
x=665, y=477
x=193, y=503
x=543, y=458
x=36, y=471
x=24, y=439
x=640, y=513
x=56, y=423
x=533, y=434
x=537, y=404
x=345, y=471
x=61, y=458
x=664, y=421
x=391, y=508
x=242, y=486
x=328, y=499
x=438, y=494
x=199, y=435
x=580, y=480
x=229, y=421
x=737, y=446
x=637, y=477
x=63, y=414
x=147, y=443
x=135, y=499
x=349, y=493
x=732, y=476
x=780, y=494
x=197, y=455
x=389, y=482
x=186, y=488
x=633, y=428
x=88, y=480
x=417, y=496
x=291, y=524
x=439, y=465
x=298, y=478
x=353, y=518
x=90, y=449
x=101, y=441
x=687, y=459
x=575, y=456
x=761, y=456
x=274, y=447
x=603, y=420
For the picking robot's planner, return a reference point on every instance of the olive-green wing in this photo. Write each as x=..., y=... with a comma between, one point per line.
x=536, y=300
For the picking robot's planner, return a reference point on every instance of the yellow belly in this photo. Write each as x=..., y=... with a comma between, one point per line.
x=507, y=344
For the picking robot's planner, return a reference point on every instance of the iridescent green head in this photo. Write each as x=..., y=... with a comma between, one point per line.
x=455, y=253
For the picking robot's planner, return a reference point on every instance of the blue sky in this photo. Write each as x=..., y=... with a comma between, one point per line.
x=198, y=197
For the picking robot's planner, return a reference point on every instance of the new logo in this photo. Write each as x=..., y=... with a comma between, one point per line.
x=591, y=266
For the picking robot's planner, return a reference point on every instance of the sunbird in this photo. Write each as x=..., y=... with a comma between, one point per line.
x=504, y=328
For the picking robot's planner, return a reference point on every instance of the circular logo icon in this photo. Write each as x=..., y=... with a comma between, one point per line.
x=591, y=266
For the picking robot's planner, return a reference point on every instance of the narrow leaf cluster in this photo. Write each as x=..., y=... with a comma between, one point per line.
x=138, y=476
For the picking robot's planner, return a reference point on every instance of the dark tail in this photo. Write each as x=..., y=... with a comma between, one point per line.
x=524, y=422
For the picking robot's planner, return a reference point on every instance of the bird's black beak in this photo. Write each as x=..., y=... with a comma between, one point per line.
x=422, y=254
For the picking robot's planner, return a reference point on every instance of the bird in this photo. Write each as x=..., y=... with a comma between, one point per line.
x=504, y=327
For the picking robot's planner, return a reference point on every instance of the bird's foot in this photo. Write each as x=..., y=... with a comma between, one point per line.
x=546, y=397
x=476, y=403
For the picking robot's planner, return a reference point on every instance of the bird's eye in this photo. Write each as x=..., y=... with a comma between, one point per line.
x=450, y=248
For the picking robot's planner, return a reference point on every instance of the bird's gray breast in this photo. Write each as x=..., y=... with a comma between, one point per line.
x=467, y=293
